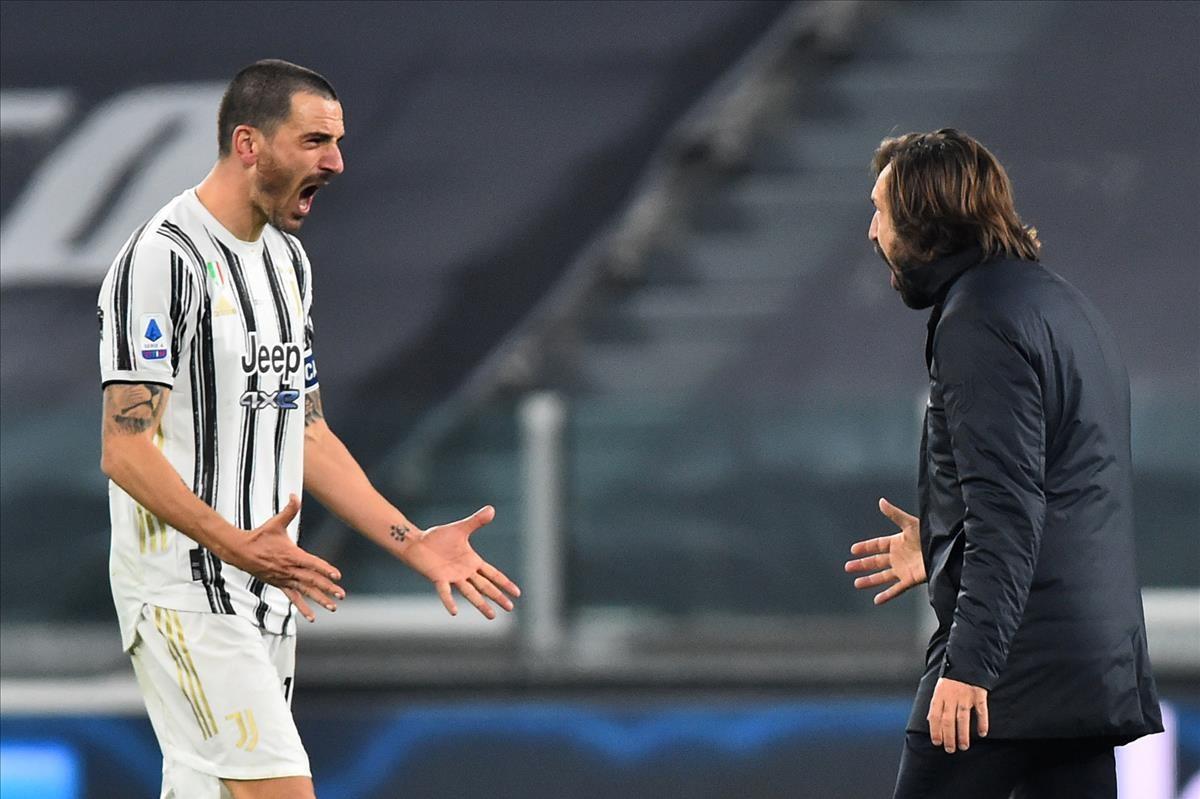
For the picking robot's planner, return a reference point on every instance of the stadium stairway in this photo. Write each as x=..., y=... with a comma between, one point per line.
x=738, y=398
x=710, y=451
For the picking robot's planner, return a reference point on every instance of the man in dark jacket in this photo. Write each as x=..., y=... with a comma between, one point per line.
x=1025, y=531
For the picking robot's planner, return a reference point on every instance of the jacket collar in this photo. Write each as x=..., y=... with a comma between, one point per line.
x=924, y=285
x=928, y=284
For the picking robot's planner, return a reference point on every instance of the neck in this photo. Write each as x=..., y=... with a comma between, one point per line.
x=923, y=285
x=225, y=192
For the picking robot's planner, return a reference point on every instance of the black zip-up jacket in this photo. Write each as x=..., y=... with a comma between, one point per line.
x=1026, y=507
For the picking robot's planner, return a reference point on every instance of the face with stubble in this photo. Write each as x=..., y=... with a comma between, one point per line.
x=881, y=233
x=299, y=157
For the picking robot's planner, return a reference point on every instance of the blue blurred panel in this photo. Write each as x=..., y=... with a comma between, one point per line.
x=39, y=771
x=633, y=748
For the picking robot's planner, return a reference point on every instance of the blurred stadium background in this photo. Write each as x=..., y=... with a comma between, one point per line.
x=603, y=265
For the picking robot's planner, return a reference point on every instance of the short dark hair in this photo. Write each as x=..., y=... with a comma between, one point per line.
x=261, y=96
x=948, y=192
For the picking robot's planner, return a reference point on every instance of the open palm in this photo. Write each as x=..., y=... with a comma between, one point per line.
x=894, y=559
x=444, y=556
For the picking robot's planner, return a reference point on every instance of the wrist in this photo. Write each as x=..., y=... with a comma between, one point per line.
x=401, y=536
x=219, y=536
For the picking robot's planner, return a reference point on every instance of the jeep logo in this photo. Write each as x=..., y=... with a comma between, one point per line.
x=281, y=359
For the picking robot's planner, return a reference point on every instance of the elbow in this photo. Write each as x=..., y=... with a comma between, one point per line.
x=108, y=464
x=112, y=462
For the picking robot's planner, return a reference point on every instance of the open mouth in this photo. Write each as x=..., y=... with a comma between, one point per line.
x=306, y=198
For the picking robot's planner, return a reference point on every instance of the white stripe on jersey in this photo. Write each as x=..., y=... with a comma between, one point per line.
x=226, y=325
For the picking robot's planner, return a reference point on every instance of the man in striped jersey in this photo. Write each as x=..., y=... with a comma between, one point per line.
x=212, y=427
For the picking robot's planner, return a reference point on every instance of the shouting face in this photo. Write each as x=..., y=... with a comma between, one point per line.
x=299, y=157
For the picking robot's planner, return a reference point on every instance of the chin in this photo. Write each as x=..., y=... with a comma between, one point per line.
x=288, y=224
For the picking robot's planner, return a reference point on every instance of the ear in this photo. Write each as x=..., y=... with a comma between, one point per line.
x=246, y=143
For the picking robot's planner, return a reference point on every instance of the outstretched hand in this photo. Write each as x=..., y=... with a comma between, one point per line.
x=443, y=554
x=270, y=555
x=893, y=558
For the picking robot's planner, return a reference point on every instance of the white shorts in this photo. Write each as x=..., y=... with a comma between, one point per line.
x=218, y=692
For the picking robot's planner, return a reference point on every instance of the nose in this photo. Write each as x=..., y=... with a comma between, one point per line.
x=873, y=231
x=332, y=161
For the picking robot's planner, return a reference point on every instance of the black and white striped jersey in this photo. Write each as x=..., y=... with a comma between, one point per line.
x=226, y=325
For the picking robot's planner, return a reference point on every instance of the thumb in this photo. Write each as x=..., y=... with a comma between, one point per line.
x=479, y=518
x=285, y=516
x=892, y=512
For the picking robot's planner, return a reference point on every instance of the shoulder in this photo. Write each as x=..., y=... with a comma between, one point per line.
x=1002, y=293
x=175, y=229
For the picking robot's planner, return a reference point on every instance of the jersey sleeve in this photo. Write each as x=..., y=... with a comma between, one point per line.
x=146, y=313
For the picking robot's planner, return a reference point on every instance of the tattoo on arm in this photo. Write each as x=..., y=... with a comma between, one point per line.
x=312, y=407
x=399, y=532
x=134, y=409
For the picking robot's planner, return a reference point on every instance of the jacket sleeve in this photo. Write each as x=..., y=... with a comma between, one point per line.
x=993, y=403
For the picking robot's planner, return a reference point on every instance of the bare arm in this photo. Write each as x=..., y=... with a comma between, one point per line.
x=132, y=414
x=335, y=478
x=441, y=554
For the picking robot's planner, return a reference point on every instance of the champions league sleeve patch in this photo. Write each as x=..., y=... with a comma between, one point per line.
x=152, y=341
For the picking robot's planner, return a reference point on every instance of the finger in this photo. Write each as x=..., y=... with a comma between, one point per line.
x=891, y=593
x=962, y=723
x=496, y=576
x=317, y=595
x=870, y=563
x=898, y=516
x=488, y=589
x=298, y=600
x=472, y=595
x=871, y=546
x=935, y=721
x=320, y=566
x=443, y=591
x=872, y=580
x=318, y=581
x=981, y=715
x=948, y=732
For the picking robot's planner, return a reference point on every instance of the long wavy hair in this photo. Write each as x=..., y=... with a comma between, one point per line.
x=946, y=192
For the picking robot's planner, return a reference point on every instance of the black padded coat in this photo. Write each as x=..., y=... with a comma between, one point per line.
x=1026, y=507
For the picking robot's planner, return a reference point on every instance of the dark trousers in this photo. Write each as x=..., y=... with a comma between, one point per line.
x=989, y=769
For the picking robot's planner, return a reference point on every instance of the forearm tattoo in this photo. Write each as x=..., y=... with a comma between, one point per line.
x=135, y=409
x=399, y=532
x=312, y=407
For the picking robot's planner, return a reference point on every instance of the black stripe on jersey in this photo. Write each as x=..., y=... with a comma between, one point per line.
x=218, y=583
x=204, y=415
x=285, y=336
x=249, y=412
x=175, y=233
x=246, y=445
x=178, y=299
x=281, y=311
x=204, y=422
x=204, y=405
x=297, y=262
x=284, y=322
x=121, y=321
